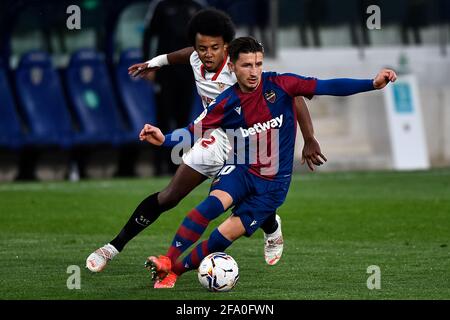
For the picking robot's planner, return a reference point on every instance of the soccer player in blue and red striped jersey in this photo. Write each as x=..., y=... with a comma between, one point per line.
x=258, y=114
x=209, y=31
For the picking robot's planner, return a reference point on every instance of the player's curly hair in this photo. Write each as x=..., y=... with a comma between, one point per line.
x=243, y=45
x=211, y=22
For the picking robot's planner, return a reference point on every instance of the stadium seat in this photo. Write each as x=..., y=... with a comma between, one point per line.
x=138, y=101
x=92, y=97
x=11, y=135
x=42, y=102
x=137, y=95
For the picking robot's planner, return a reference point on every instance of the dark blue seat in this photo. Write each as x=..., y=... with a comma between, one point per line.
x=137, y=95
x=197, y=107
x=42, y=102
x=11, y=135
x=91, y=94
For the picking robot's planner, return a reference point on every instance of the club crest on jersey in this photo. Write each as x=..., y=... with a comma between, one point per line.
x=270, y=96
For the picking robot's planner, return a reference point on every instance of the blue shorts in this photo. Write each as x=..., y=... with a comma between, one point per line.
x=254, y=198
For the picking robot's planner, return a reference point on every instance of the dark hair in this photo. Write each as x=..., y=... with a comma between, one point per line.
x=243, y=45
x=211, y=22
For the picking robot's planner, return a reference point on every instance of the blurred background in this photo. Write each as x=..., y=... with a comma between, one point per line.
x=69, y=110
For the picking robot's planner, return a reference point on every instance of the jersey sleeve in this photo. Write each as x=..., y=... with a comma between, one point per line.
x=194, y=60
x=295, y=85
x=343, y=86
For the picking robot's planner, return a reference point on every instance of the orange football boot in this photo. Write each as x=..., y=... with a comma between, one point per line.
x=159, y=267
x=167, y=282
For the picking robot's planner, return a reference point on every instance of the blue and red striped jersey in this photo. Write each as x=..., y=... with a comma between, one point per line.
x=260, y=125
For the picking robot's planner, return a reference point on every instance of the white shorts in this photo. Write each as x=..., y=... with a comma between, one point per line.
x=208, y=155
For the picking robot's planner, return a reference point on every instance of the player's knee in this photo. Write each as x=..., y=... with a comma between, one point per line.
x=232, y=228
x=224, y=197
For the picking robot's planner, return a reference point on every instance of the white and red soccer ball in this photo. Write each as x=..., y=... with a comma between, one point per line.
x=218, y=272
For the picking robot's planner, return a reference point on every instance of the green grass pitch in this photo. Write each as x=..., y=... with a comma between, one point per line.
x=335, y=226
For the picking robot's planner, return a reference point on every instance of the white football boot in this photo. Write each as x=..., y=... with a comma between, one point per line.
x=98, y=259
x=273, y=245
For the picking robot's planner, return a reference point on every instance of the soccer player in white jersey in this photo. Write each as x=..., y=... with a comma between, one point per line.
x=209, y=31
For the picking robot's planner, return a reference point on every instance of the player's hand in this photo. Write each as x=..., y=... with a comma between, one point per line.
x=311, y=154
x=152, y=135
x=383, y=78
x=142, y=71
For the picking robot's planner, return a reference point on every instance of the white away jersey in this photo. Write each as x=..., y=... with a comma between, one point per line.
x=210, y=85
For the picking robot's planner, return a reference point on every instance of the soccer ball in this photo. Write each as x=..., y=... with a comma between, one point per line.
x=218, y=272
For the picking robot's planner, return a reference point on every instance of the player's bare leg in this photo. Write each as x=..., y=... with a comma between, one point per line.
x=183, y=182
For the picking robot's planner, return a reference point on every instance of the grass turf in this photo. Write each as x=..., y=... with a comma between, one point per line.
x=335, y=226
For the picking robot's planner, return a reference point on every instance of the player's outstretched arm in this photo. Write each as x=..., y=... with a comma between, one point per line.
x=145, y=70
x=210, y=119
x=181, y=56
x=346, y=87
x=297, y=85
x=153, y=135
